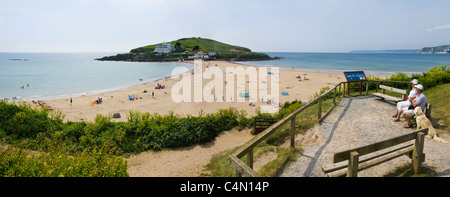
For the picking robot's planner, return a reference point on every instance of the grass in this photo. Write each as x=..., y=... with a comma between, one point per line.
x=438, y=96
x=220, y=166
x=187, y=44
x=405, y=171
x=284, y=157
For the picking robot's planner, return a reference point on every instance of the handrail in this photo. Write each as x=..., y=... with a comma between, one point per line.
x=247, y=169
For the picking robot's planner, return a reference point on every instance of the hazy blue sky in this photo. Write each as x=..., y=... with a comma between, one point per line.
x=261, y=25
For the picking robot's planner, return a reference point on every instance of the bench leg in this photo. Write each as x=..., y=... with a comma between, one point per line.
x=417, y=156
x=352, y=170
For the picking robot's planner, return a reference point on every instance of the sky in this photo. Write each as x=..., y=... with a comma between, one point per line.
x=261, y=25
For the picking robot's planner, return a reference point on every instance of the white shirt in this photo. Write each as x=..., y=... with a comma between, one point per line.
x=421, y=101
x=412, y=94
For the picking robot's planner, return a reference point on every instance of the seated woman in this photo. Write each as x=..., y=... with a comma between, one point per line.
x=407, y=103
x=419, y=101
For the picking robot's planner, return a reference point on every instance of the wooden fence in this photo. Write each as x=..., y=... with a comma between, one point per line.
x=246, y=169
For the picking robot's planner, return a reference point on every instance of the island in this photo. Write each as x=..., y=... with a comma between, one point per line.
x=189, y=49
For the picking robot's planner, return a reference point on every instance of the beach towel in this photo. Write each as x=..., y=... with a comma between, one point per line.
x=285, y=93
x=245, y=95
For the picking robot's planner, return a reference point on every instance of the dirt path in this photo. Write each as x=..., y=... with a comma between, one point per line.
x=186, y=161
x=359, y=121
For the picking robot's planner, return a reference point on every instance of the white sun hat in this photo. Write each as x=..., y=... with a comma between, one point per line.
x=420, y=87
x=415, y=82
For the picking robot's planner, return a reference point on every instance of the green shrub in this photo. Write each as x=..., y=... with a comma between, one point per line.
x=21, y=121
x=19, y=162
x=435, y=76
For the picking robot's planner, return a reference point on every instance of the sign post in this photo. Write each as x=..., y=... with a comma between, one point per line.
x=355, y=76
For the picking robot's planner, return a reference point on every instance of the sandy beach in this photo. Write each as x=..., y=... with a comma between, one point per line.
x=82, y=109
x=162, y=103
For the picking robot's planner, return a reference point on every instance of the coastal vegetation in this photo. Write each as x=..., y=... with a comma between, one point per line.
x=187, y=47
x=24, y=129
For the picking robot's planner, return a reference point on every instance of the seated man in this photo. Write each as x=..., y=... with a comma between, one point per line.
x=407, y=103
x=419, y=101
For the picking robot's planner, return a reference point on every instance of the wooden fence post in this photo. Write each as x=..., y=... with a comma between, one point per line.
x=417, y=156
x=320, y=108
x=334, y=96
x=367, y=88
x=250, y=158
x=352, y=170
x=343, y=90
x=339, y=95
x=293, y=132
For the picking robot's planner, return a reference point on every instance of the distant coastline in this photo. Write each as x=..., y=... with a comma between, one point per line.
x=387, y=51
x=444, y=49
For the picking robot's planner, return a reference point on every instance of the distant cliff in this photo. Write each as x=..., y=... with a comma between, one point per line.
x=445, y=49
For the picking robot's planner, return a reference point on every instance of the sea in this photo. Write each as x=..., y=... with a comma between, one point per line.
x=63, y=75
x=370, y=63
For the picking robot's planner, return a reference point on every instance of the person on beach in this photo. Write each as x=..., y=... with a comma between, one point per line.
x=407, y=103
x=70, y=101
x=419, y=101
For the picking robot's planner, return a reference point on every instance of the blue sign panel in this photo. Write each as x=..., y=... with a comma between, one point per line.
x=355, y=76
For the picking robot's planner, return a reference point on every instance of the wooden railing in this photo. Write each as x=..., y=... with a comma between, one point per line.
x=246, y=169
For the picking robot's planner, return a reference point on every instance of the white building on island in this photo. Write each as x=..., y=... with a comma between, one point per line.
x=199, y=55
x=164, y=48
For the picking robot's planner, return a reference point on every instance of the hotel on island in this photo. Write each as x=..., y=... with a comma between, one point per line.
x=164, y=48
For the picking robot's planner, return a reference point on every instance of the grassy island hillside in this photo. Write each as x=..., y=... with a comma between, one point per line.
x=186, y=48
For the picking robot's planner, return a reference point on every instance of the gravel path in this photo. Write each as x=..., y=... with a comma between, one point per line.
x=359, y=121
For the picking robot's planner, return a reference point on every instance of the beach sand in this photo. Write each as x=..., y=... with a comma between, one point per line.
x=162, y=103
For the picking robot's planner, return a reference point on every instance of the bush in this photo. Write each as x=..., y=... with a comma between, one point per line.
x=18, y=162
x=435, y=76
x=21, y=121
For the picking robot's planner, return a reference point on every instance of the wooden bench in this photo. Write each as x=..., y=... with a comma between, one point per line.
x=393, y=98
x=349, y=162
x=427, y=110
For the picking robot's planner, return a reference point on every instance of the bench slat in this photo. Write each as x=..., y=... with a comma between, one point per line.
x=376, y=161
x=393, y=89
x=344, y=164
x=344, y=155
x=388, y=97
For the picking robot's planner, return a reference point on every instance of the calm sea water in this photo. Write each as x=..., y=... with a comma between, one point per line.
x=62, y=75
x=371, y=63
